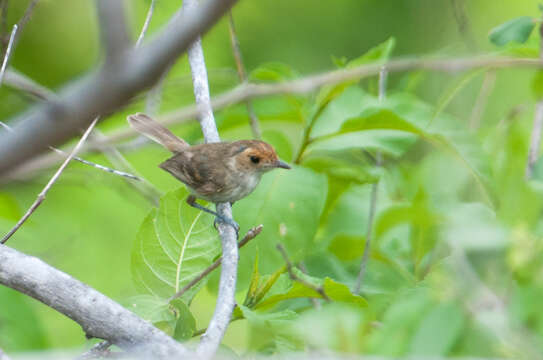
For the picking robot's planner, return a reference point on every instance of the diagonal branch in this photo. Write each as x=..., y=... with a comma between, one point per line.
x=106, y=89
x=113, y=30
x=98, y=315
x=255, y=126
x=43, y=193
x=251, y=91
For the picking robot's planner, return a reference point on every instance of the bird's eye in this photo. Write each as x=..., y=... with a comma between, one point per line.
x=255, y=159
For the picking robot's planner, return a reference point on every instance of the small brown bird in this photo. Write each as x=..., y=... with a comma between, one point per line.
x=216, y=172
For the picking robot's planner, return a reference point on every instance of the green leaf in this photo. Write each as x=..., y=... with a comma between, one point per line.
x=21, y=328
x=253, y=284
x=173, y=244
x=438, y=331
x=185, y=326
x=515, y=30
x=289, y=204
x=379, y=53
x=537, y=85
x=273, y=72
x=9, y=209
x=334, y=290
x=347, y=247
x=151, y=308
x=350, y=165
x=413, y=118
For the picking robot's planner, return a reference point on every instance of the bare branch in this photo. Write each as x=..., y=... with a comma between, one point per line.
x=99, y=316
x=8, y=53
x=251, y=234
x=210, y=341
x=255, y=126
x=97, y=351
x=148, y=18
x=251, y=91
x=373, y=199
x=294, y=277
x=241, y=93
x=22, y=83
x=480, y=104
x=43, y=193
x=113, y=30
x=104, y=91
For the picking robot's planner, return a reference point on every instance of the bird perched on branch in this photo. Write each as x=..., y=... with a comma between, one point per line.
x=217, y=172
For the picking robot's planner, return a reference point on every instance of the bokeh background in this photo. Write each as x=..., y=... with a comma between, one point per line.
x=88, y=223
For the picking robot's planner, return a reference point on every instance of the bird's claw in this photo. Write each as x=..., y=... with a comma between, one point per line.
x=227, y=221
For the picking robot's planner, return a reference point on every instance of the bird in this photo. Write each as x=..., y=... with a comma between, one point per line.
x=218, y=172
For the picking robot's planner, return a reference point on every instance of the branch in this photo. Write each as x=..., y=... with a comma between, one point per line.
x=251, y=234
x=3, y=355
x=105, y=90
x=43, y=193
x=98, y=315
x=255, y=126
x=148, y=18
x=8, y=53
x=113, y=30
x=251, y=91
x=294, y=277
x=373, y=199
x=210, y=341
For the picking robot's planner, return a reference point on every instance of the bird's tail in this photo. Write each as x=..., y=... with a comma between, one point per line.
x=155, y=131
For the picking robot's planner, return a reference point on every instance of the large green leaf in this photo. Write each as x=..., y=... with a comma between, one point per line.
x=438, y=331
x=174, y=243
x=20, y=327
x=404, y=114
x=515, y=30
x=289, y=204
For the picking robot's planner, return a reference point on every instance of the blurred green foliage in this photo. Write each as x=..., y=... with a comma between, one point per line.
x=444, y=188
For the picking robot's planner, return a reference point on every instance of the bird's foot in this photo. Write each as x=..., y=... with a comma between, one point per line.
x=227, y=221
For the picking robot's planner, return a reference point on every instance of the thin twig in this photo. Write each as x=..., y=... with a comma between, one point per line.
x=303, y=85
x=255, y=125
x=316, y=302
x=462, y=21
x=251, y=234
x=86, y=162
x=373, y=198
x=148, y=18
x=210, y=341
x=43, y=193
x=18, y=155
x=480, y=104
x=294, y=277
x=26, y=16
x=8, y=53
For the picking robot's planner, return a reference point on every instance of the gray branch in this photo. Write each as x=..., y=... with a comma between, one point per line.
x=105, y=90
x=113, y=30
x=251, y=91
x=226, y=302
x=98, y=315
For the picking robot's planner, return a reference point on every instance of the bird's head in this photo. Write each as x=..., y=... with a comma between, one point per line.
x=256, y=156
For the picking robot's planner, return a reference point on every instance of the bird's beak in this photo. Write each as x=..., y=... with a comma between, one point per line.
x=282, y=164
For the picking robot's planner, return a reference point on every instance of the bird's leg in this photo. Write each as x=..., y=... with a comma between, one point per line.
x=191, y=200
